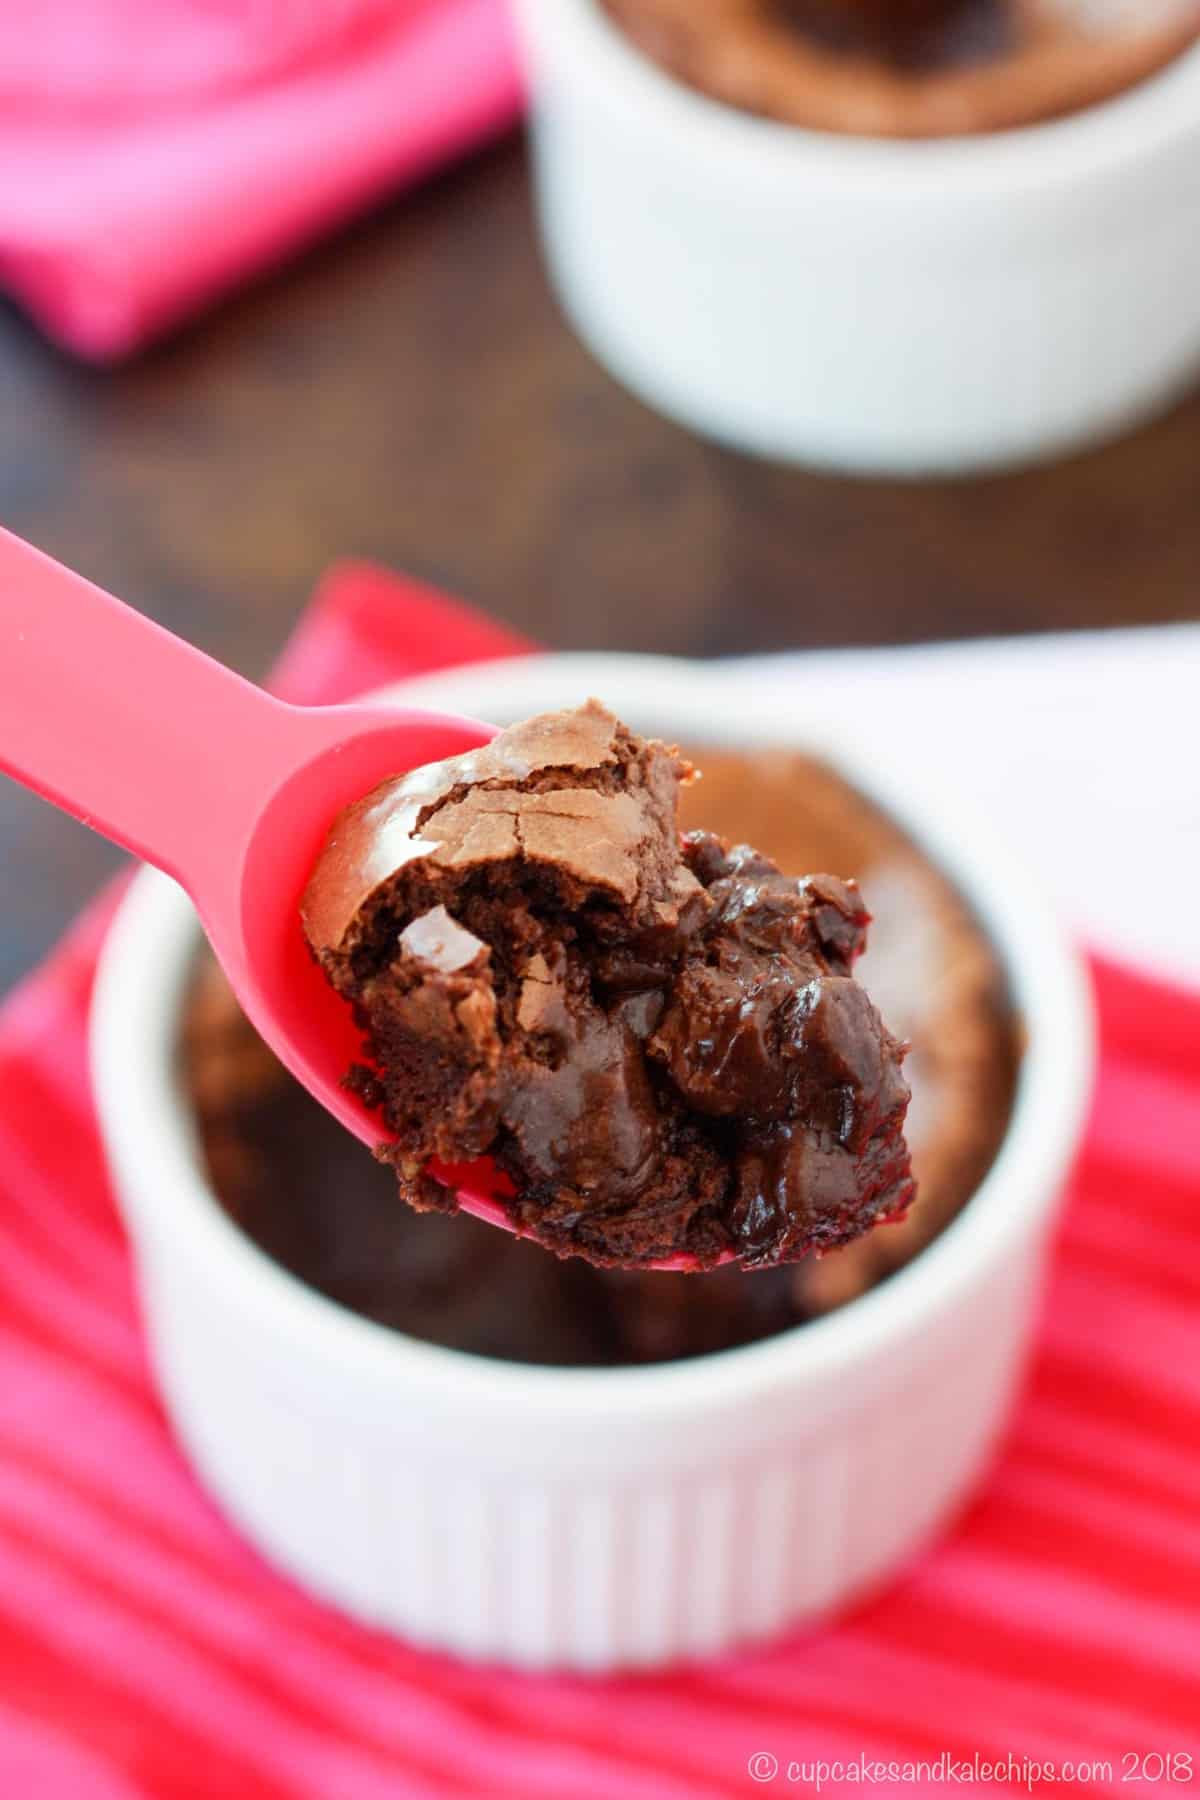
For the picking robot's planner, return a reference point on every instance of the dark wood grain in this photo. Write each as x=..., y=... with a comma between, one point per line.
x=410, y=392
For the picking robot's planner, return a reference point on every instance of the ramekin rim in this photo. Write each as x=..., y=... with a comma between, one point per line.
x=1049, y=987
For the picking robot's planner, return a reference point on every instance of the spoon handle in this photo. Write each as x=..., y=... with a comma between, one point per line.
x=122, y=724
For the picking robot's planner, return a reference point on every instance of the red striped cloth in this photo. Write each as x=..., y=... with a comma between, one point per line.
x=145, y=1650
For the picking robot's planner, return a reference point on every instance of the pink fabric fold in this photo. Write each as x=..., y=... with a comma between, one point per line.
x=146, y=1650
x=152, y=155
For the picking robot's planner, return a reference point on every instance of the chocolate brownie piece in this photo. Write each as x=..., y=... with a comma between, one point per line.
x=658, y=1039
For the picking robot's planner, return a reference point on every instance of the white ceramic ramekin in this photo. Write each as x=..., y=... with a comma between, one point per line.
x=858, y=303
x=593, y=1518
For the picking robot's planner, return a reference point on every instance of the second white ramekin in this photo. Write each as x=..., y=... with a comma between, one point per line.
x=864, y=304
x=590, y=1518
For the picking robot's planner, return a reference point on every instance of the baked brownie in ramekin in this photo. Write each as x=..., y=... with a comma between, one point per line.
x=909, y=68
x=882, y=235
x=644, y=1504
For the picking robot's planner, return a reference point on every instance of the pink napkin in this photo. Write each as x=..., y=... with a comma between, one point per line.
x=146, y=1650
x=153, y=152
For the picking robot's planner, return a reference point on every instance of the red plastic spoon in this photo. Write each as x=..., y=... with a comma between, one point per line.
x=232, y=792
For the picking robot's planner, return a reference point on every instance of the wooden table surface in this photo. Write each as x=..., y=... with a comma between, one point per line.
x=410, y=392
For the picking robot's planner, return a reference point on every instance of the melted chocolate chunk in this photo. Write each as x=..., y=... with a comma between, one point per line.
x=659, y=1040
